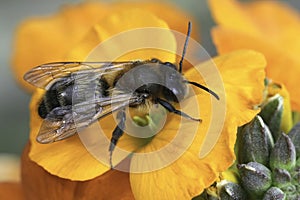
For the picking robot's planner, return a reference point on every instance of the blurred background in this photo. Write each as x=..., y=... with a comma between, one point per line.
x=14, y=101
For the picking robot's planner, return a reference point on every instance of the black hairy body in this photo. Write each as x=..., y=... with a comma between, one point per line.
x=60, y=93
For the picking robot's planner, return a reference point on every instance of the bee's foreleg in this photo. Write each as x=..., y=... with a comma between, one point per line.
x=168, y=106
x=117, y=133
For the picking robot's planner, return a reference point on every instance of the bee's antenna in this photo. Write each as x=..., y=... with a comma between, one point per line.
x=204, y=88
x=185, y=45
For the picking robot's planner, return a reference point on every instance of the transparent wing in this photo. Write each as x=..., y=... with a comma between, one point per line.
x=63, y=122
x=43, y=75
x=57, y=125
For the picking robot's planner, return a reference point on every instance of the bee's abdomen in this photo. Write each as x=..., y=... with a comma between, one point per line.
x=57, y=96
x=103, y=88
x=60, y=94
x=42, y=110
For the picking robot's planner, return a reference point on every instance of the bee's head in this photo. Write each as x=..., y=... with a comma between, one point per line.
x=175, y=88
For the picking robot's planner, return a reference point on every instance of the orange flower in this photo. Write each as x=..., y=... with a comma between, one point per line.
x=202, y=150
x=188, y=175
x=270, y=27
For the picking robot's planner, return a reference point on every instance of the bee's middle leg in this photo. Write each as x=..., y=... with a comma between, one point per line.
x=117, y=133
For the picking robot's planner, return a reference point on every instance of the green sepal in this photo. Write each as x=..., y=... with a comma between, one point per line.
x=294, y=134
x=255, y=178
x=283, y=155
x=274, y=193
x=271, y=113
x=281, y=177
x=232, y=191
x=255, y=142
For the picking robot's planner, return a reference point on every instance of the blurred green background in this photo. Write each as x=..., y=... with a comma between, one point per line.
x=14, y=101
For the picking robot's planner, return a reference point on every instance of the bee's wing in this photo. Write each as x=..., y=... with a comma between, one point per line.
x=43, y=75
x=57, y=125
x=65, y=121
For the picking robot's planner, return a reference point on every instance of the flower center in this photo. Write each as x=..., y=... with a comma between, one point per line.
x=146, y=125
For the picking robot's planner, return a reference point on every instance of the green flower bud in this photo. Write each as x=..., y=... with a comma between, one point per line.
x=294, y=134
x=283, y=155
x=232, y=191
x=274, y=193
x=255, y=142
x=255, y=177
x=271, y=113
x=281, y=177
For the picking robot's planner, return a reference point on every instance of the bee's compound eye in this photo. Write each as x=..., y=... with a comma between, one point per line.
x=155, y=60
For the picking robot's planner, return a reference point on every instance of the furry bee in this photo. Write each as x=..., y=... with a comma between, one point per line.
x=80, y=93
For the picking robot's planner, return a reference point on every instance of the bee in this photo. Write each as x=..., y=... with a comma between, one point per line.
x=80, y=93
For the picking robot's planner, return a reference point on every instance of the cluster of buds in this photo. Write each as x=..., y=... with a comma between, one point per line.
x=268, y=160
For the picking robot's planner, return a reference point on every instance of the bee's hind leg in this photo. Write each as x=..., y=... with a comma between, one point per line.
x=117, y=133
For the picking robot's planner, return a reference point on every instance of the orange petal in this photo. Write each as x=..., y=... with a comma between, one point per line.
x=243, y=90
x=176, y=18
x=107, y=40
x=48, y=39
x=278, y=22
x=11, y=190
x=189, y=175
x=274, y=21
x=231, y=14
x=227, y=40
x=40, y=184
